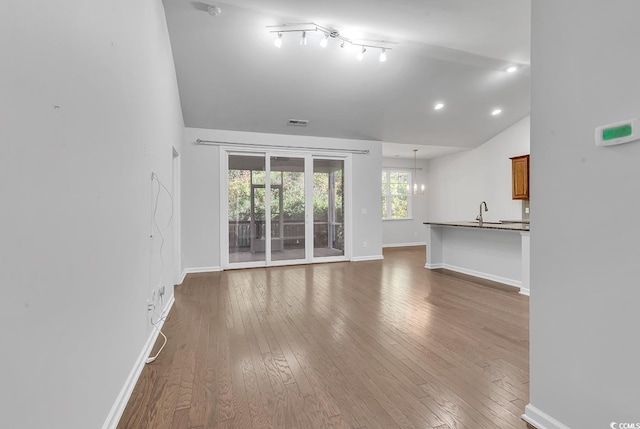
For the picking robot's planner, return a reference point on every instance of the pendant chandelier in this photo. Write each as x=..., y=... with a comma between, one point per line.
x=417, y=189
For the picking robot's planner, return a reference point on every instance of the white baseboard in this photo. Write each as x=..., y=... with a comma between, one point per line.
x=524, y=292
x=420, y=243
x=198, y=270
x=366, y=258
x=433, y=266
x=113, y=418
x=540, y=419
x=486, y=276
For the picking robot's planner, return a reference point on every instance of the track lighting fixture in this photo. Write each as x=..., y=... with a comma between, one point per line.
x=278, y=41
x=325, y=40
x=329, y=33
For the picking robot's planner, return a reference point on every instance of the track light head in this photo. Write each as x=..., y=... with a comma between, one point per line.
x=278, y=42
x=383, y=55
x=303, y=39
x=360, y=55
x=325, y=40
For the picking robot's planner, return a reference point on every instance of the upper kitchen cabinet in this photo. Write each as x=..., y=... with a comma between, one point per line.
x=520, y=177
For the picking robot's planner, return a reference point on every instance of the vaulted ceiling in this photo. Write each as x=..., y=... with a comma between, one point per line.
x=231, y=76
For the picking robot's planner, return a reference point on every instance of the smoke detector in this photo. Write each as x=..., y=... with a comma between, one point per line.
x=215, y=10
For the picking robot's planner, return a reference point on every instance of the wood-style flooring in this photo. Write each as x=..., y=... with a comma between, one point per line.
x=377, y=345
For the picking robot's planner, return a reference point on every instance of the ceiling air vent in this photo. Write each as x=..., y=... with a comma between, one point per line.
x=298, y=122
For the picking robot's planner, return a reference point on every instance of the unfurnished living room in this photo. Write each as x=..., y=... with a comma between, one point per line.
x=303, y=214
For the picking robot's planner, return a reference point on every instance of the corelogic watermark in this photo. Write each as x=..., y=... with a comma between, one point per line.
x=615, y=425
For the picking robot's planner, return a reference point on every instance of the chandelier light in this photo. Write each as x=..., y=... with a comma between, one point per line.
x=417, y=190
x=327, y=35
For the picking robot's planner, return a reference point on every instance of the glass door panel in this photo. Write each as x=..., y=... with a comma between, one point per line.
x=246, y=205
x=328, y=208
x=287, y=198
x=284, y=209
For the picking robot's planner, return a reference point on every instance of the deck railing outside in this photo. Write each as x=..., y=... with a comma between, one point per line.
x=293, y=234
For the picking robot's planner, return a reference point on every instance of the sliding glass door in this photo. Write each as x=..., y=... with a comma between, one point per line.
x=328, y=208
x=300, y=219
x=288, y=212
x=246, y=209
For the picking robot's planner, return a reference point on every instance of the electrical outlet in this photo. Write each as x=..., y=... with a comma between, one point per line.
x=415, y=234
x=364, y=244
x=526, y=210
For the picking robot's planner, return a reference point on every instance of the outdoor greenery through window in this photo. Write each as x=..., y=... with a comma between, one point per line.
x=289, y=229
x=396, y=198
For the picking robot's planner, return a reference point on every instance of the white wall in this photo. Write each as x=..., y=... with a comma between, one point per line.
x=585, y=231
x=410, y=231
x=201, y=195
x=456, y=184
x=89, y=108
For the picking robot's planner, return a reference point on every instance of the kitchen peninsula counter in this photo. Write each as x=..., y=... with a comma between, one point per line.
x=504, y=225
x=497, y=251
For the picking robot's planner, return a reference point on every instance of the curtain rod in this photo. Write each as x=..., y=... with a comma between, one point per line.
x=267, y=146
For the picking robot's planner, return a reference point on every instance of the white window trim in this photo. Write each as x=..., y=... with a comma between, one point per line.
x=387, y=194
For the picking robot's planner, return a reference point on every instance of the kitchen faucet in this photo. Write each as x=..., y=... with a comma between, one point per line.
x=479, y=217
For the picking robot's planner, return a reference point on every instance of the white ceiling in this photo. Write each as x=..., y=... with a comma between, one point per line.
x=231, y=76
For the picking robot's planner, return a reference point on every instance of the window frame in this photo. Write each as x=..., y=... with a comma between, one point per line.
x=388, y=209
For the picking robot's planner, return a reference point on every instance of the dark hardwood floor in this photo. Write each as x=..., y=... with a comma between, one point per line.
x=380, y=344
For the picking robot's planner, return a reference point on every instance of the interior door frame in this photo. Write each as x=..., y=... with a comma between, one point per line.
x=308, y=156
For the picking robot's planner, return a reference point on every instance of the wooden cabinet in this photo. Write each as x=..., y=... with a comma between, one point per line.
x=520, y=177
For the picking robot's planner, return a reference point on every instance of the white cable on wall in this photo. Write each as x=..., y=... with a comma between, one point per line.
x=152, y=307
x=161, y=318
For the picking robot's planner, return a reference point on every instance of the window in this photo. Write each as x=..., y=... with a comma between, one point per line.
x=396, y=198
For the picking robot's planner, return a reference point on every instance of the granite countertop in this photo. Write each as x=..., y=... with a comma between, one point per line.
x=509, y=226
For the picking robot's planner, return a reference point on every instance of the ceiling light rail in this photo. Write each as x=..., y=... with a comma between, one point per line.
x=328, y=33
x=283, y=147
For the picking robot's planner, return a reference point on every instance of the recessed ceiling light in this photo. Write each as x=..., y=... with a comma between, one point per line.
x=438, y=106
x=496, y=112
x=511, y=69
